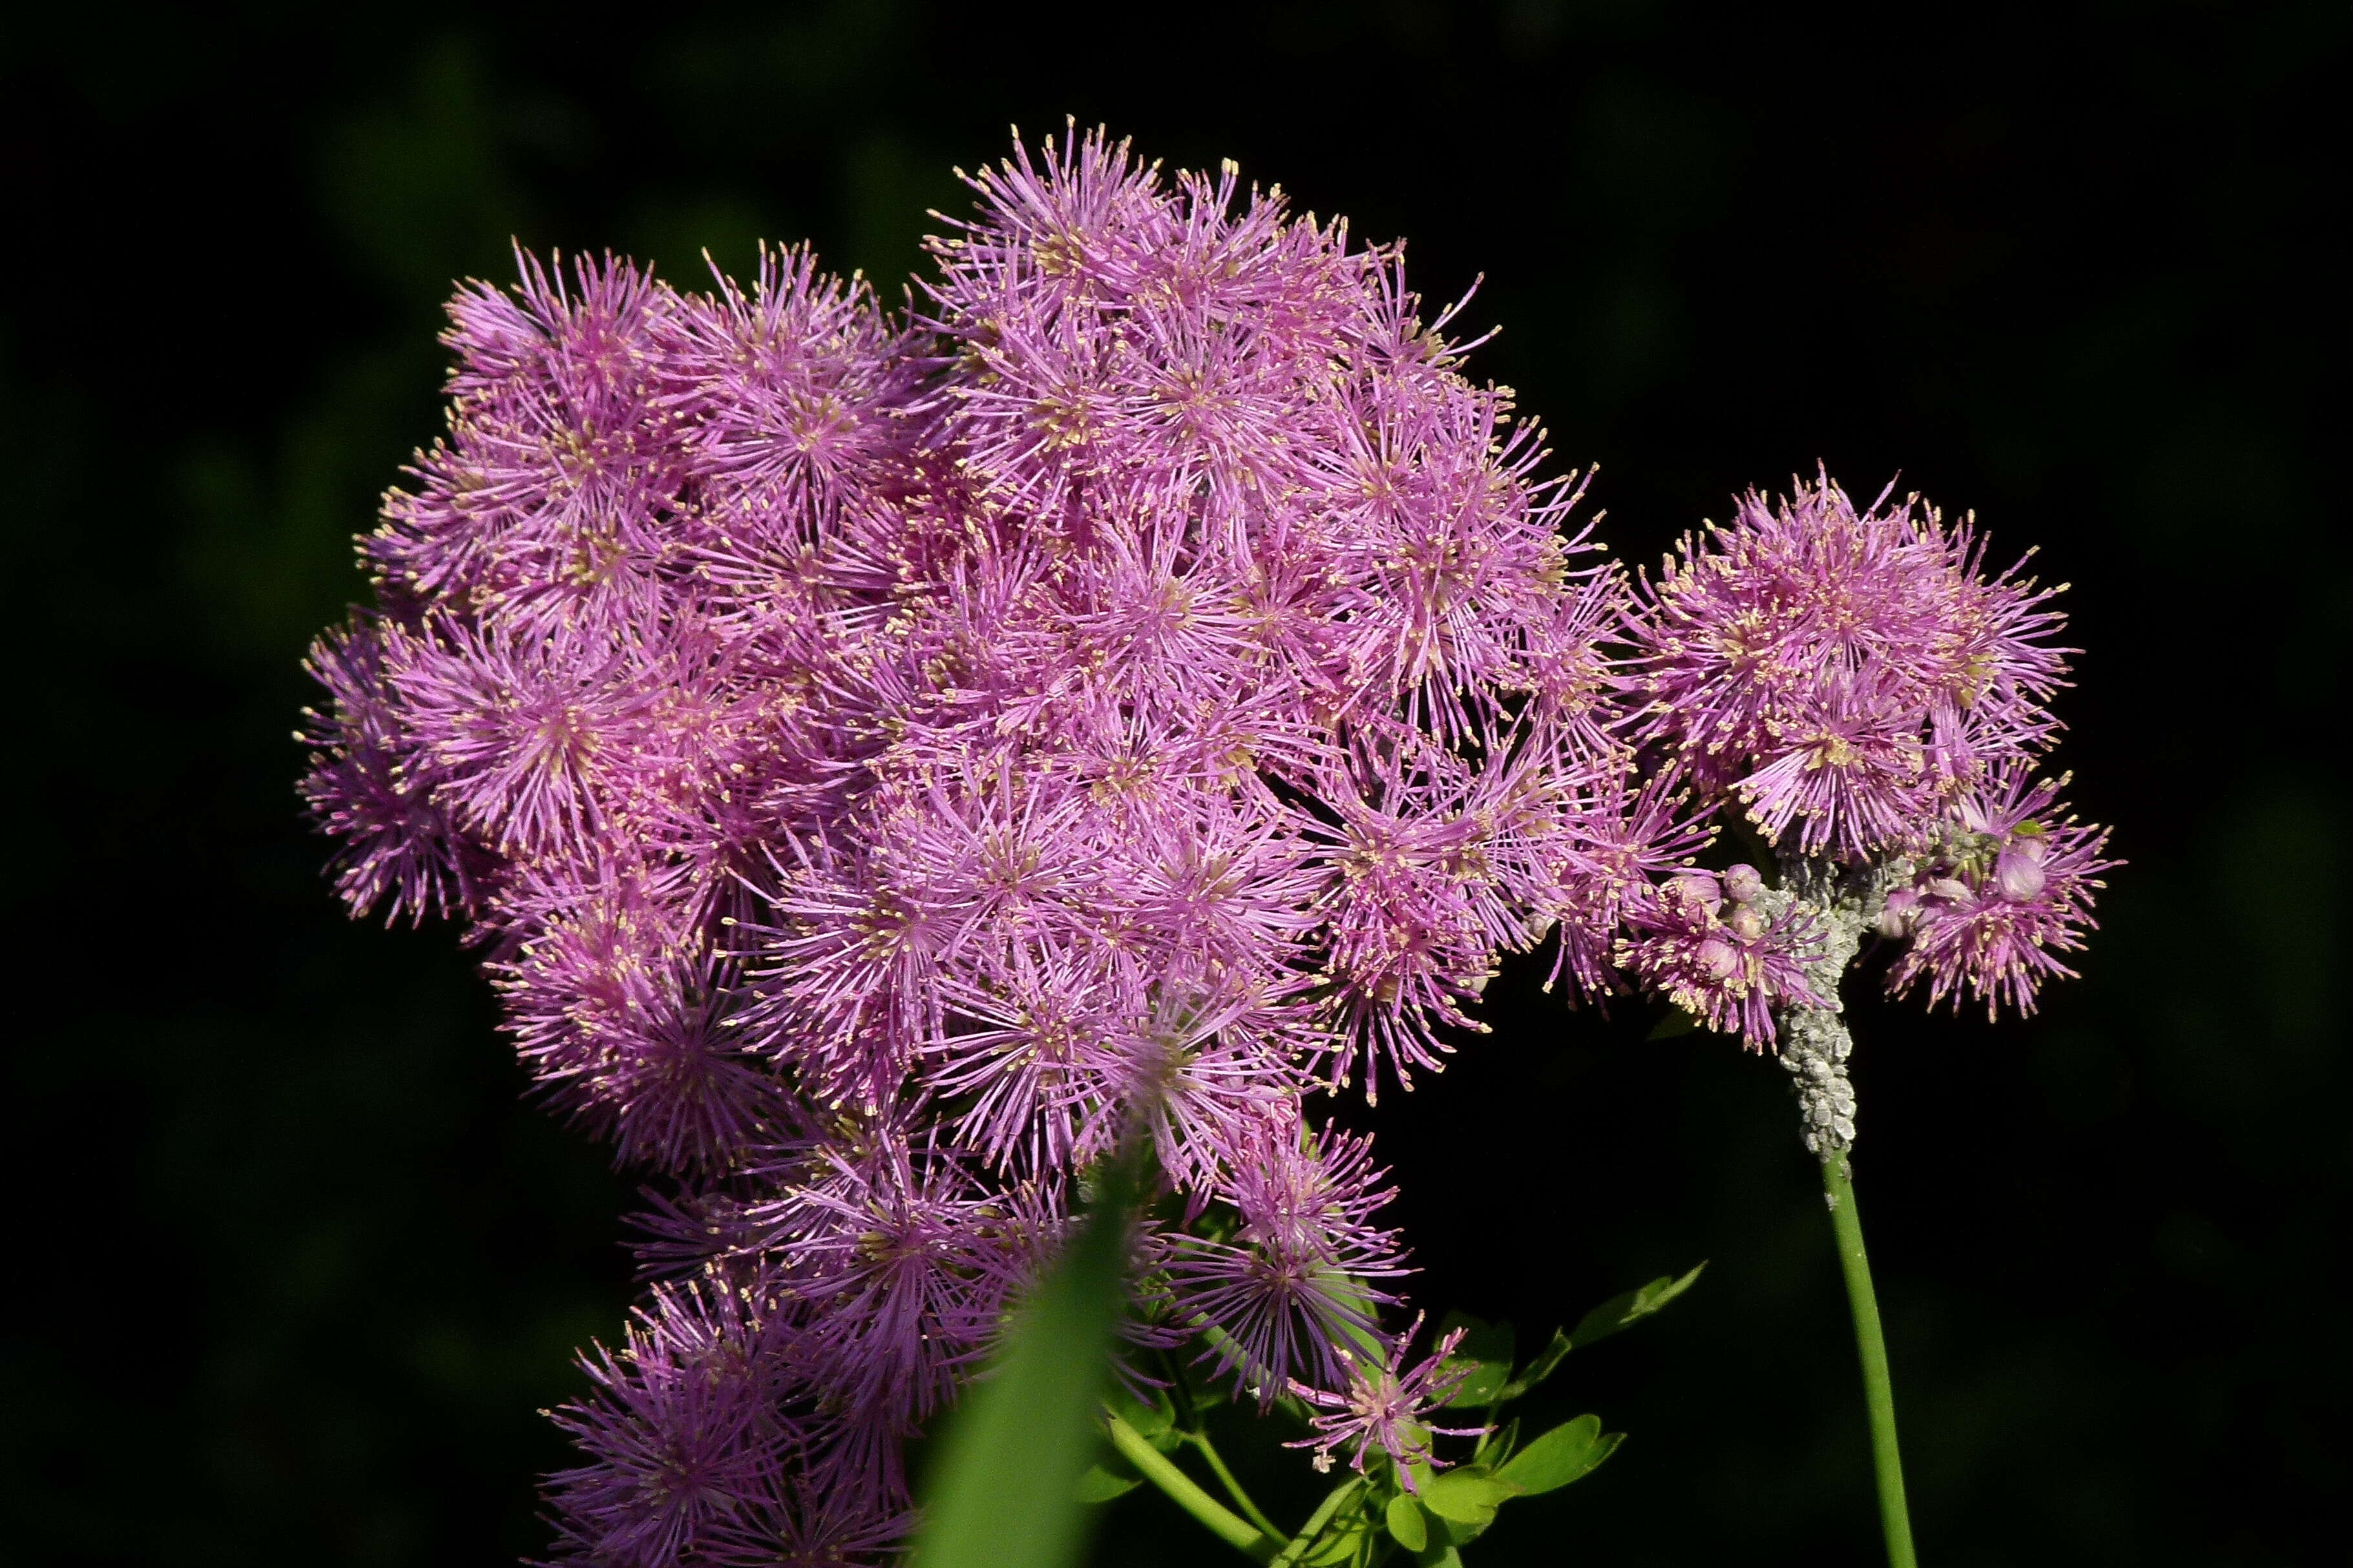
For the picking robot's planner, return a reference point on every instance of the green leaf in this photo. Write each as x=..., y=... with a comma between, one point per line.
x=1485, y=1352
x=1465, y=1496
x=1408, y=1524
x=1152, y=1421
x=1102, y=1483
x=1442, y=1550
x=1006, y=1491
x=1343, y=1543
x=1676, y=1021
x=1539, y=1369
x=1622, y=1312
x=1566, y=1453
x=1497, y=1440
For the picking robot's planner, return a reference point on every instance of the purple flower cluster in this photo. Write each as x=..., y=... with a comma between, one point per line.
x=889, y=763
x=1844, y=674
x=1714, y=947
x=1873, y=703
x=2004, y=886
x=1382, y=1413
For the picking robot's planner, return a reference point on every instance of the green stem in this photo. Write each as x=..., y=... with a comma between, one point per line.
x=1878, y=1392
x=1156, y=1466
x=1233, y=1488
x=1230, y=1348
x=1312, y=1531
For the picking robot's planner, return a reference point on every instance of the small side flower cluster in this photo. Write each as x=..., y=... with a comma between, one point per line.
x=888, y=763
x=1844, y=674
x=1715, y=948
x=2003, y=889
x=1873, y=703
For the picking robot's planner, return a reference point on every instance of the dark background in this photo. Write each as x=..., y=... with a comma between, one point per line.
x=292, y=1268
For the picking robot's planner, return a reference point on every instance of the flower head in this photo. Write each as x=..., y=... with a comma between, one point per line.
x=892, y=761
x=685, y=1425
x=1873, y=701
x=1845, y=674
x=2006, y=889
x=1293, y=1284
x=1386, y=1408
x=556, y=494
x=1728, y=963
x=400, y=851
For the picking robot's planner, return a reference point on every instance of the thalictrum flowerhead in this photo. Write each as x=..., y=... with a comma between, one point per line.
x=890, y=762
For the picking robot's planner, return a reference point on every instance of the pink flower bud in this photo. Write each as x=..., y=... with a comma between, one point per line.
x=1699, y=887
x=1742, y=884
x=1900, y=913
x=1745, y=922
x=2019, y=876
x=1716, y=958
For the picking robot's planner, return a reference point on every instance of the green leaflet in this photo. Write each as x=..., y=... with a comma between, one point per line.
x=1407, y=1524
x=1103, y=1482
x=1155, y=1422
x=1486, y=1350
x=1566, y=1453
x=1539, y=1369
x=1466, y=1497
x=1016, y=1456
x=1622, y=1312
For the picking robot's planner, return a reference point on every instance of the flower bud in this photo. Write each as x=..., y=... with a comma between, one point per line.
x=1716, y=958
x=2019, y=876
x=1745, y=922
x=1741, y=883
x=1900, y=913
x=1699, y=887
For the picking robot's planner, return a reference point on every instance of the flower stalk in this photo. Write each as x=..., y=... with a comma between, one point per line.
x=1216, y=1463
x=1871, y=1345
x=1187, y=1494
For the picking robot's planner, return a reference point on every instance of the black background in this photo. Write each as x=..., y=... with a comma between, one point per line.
x=292, y=1269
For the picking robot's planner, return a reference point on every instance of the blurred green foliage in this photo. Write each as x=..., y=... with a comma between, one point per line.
x=1005, y=1486
x=297, y=1269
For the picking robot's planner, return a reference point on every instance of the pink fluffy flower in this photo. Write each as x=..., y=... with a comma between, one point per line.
x=1873, y=701
x=621, y=1010
x=2006, y=890
x=890, y=762
x=685, y=1426
x=1294, y=1282
x=1726, y=963
x=1845, y=674
x=1624, y=836
x=555, y=496
x=1385, y=1409
x=399, y=851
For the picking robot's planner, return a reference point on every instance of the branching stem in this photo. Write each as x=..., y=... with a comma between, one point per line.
x=1312, y=1531
x=1221, y=1522
x=1233, y=1488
